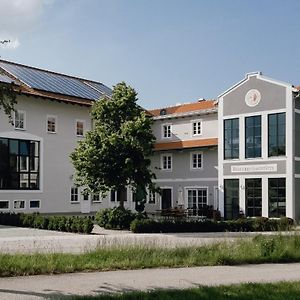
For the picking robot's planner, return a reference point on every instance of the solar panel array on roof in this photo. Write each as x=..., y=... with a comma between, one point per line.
x=100, y=87
x=5, y=79
x=51, y=82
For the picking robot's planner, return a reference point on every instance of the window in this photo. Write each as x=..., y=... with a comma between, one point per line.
x=231, y=199
x=166, y=162
x=74, y=194
x=166, y=131
x=253, y=137
x=85, y=197
x=112, y=196
x=119, y=195
x=20, y=119
x=96, y=197
x=19, y=204
x=197, y=127
x=197, y=200
x=51, y=124
x=79, y=128
x=277, y=197
x=276, y=134
x=231, y=138
x=152, y=197
x=196, y=160
x=34, y=204
x=4, y=204
x=19, y=165
x=253, y=197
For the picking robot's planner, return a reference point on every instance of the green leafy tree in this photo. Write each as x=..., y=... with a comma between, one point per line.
x=116, y=152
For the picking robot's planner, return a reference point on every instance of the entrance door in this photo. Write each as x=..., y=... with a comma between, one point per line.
x=231, y=199
x=166, y=198
x=85, y=204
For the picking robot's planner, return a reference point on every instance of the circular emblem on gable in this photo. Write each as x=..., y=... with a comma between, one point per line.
x=252, y=98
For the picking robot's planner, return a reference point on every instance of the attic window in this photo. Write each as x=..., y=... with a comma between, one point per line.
x=163, y=112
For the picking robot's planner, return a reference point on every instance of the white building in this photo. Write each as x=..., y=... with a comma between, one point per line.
x=238, y=154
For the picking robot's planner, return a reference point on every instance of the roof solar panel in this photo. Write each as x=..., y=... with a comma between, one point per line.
x=5, y=79
x=52, y=82
x=100, y=87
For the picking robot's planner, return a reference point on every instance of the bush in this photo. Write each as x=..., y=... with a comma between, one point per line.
x=115, y=218
x=243, y=224
x=61, y=223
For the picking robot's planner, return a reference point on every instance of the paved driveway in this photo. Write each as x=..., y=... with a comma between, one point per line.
x=58, y=286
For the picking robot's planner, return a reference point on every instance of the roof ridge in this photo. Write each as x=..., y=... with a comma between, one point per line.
x=49, y=71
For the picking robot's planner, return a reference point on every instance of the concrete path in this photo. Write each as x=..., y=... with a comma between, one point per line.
x=28, y=240
x=58, y=286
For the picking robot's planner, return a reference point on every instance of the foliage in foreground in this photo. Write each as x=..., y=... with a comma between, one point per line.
x=261, y=249
x=59, y=223
x=243, y=224
x=7, y=98
x=247, y=291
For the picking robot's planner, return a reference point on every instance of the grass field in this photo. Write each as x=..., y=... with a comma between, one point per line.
x=261, y=249
x=267, y=291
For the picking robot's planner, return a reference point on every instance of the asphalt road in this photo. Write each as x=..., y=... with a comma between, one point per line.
x=58, y=286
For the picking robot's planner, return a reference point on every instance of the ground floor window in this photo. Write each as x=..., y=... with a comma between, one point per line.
x=197, y=200
x=19, y=164
x=253, y=193
x=74, y=194
x=231, y=199
x=277, y=197
x=4, y=204
x=34, y=204
x=19, y=204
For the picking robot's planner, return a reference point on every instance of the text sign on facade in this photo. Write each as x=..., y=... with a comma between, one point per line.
x=254, y=168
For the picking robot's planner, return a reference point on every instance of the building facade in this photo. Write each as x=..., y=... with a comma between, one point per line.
x=239, y=154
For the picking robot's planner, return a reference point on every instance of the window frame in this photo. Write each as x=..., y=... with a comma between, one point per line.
x=163, y=131
x=277, y=134
x=73, y=194
x=18, y=200
x=151, y=196
x=201, y=127
x=5, y=209
x=35, y=200
x=253, y=136
x=162, y=162
x=253, y=207
x=277, y=196
x=192, y=160
x=24, y=119
x=232, y=157
x=76, y=127
x=56, y=124
x=99, y=198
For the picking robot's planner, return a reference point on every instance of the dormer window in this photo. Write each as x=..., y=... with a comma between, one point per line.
x=166, y=131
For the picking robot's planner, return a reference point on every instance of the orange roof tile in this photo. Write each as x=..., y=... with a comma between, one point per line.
x=186, y=144
x=200, y=105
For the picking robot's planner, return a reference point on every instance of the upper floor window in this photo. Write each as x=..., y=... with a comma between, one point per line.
x=166, y=162
x=196, y=160
x=51, y=124
x=197, y=127
x=20, y=119
x=231, y=138
x=253, y=137
x=276, y=132
x=166, y=131
x=79, y=128
x=19, y=167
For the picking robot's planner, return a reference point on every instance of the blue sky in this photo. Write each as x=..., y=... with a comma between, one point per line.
x=170, y=51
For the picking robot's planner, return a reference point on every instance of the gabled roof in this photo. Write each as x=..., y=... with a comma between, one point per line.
x=184, y=108
x=52, y=85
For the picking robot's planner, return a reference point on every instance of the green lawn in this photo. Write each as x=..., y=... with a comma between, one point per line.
x=250, y=291
x=260, y=249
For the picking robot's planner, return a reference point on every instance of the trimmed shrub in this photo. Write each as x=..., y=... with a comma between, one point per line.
x=115, y=218
x=61, y=223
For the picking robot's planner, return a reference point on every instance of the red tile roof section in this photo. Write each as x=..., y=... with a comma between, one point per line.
x=186, y=144
x=200, y=105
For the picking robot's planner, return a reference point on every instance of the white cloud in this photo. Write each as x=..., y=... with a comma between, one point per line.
x=18, y=16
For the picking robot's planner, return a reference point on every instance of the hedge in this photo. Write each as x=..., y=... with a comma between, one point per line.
x=59, y=223
x=244, y=224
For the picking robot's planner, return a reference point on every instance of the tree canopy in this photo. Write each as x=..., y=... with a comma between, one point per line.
x=116, y=152
x=7, y=98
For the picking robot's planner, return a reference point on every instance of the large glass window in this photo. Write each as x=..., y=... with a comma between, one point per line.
x=231, y=138
x=231, y=199
x=276, y=134
x=253, y=197
x=277, y=197
x=19, y=164
x=253, y=136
